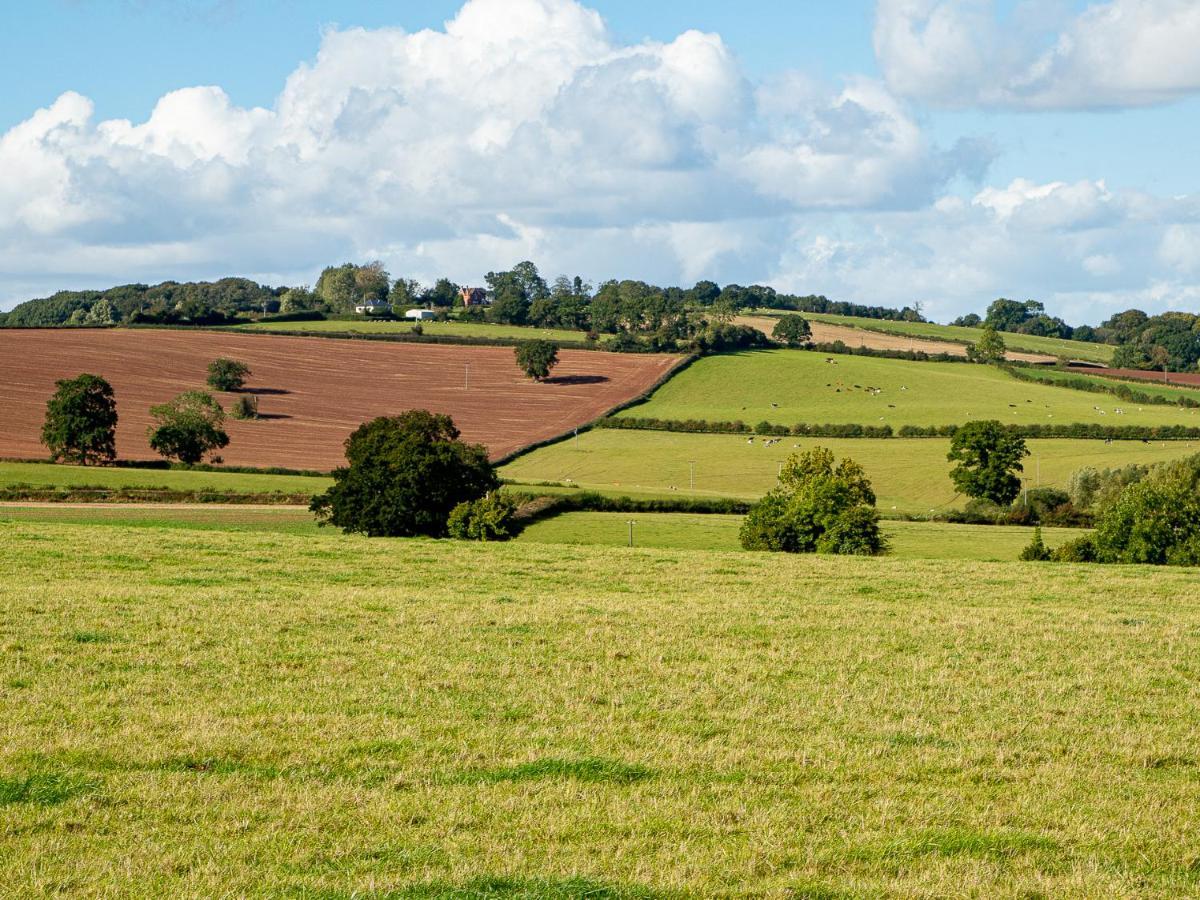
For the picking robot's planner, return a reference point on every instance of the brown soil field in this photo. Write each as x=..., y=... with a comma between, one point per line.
x=824, y=333
x=1187, y=379
x=313, y=391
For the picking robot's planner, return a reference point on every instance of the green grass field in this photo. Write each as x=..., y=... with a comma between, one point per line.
x=911, y=476
x=192, y=713
x=203, y=516
x=909, y=540
x=49, y=475
x=462, y=329
x=790, y=386
x=1082, y=350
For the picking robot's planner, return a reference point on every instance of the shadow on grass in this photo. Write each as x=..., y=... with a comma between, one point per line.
x=45, y=788
x=498, y=889
x=963, y=842
x=588, y=769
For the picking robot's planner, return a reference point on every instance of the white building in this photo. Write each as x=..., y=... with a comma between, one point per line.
x=420, y=315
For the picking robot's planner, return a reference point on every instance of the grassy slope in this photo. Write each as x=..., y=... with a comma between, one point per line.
x=202, y=714
x=1101, y=353
x=464, y=329
x=806, y=388
x=910, y=476
x=279, y=519
x=910, y=540
x=45, y=474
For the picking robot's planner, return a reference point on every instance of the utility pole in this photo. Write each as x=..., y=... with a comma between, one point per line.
x=691, y=474
x=631, y=532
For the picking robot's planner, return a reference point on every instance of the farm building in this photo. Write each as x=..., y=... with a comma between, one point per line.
x=473, y=296
x=371, y=307
x=419, y=315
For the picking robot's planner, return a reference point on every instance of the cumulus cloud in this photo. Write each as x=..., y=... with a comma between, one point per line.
x=1118, y=53
x=519, y=127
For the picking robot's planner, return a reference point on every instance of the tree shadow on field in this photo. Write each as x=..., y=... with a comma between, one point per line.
x=576, y=379
x=262, y=392
x=263, y=415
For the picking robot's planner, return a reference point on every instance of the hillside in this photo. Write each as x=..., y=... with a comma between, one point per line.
x=341, y=718
x=790, y=386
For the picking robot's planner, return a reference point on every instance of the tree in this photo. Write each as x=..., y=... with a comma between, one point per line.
x=405, y=475
x=987, y=457
x=245, y=407
x=1155, y=521
x=227, y=374
x=1036, y=551
x=489, y=518
x=792, y=330
x=102, y=313
x=81, y=421
x=817, y=507
x=537, y=358
x=989, y=349
x=188, y=427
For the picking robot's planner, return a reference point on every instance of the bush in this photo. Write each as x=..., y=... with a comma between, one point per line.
x=245, y=407
x=1080, y=550
x=227, y=374
x=417, y=329
x=188, y=427
x=490, y=518
x=406, y=474
x=81, y=421
x=1037, y=551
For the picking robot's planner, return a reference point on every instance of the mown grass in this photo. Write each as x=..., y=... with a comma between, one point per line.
x=277, y=716
x=49, y=475
x=789, y=386
x=910, y=476
x=464, y=329
x=1082, y=350
x=681, y=531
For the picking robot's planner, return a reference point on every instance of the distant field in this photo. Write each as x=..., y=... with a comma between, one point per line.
x=463, y=329
x=1171, y=392
x=202, y=714
x=283, y=520
x=1101, y=353
x=790, y=386
x=910, y=540
x=910, y=475
x=48, y=475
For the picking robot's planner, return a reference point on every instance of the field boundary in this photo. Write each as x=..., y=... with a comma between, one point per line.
x=1079, y=382
x=17, y=493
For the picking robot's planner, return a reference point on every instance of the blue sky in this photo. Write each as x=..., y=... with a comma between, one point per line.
x=871, y=151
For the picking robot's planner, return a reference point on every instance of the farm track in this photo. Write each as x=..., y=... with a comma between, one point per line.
x=314, y=391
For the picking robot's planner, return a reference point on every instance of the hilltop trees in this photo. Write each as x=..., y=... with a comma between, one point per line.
x=987, y=457
x=188, y=426
x=817, y=507
x=344, y=287
x=81, y=421
x=536, y=358
x=405, y=475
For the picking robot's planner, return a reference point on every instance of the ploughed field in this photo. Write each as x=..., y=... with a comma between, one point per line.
x=786, y=387
x=312, y=391
x=910, y=475
x=1188, y=379
x=204, y=713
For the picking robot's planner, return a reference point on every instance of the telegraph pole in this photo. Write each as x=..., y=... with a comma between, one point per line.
x=631, y=532
x=691, y=474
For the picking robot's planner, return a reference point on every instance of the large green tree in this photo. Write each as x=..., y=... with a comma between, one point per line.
x=405, y=475
x=81, y=421
x=536, y=358
x=792, y=330
x=227, y=374
x=990, y=348
x=818, y=506
x=188, y=426
x=987, y=457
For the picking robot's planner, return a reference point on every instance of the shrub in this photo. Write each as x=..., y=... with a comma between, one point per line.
x=1037, y=551
x=417, y=329
x=490, y=518
x=188, y=427
x=1080, y=550
x=81, y=421
x=245, y=407
x=227, y=374
x=406, y=474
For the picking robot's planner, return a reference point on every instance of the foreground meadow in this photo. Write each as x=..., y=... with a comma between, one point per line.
x=191, y=713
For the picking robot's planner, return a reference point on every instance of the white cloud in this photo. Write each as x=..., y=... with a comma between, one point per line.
x=1113, y=54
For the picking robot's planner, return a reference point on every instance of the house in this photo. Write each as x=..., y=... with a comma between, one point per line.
x=473, y=296
x=420, y=315
x=371, y=307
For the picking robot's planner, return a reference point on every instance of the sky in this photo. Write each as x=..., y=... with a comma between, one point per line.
x=941, y=152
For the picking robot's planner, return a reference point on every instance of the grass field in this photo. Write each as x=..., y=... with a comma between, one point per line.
x=909, y=540
x=48, y=475
x=236, y=714
x=462, y=329
x=911, y=476
x=1101, y=353
x=204, y=517
x=790, y=386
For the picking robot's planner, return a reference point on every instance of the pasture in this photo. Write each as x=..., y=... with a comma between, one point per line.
x=63, y=476
x=1066, y=349
x=681, y=531
x=192, y=713
x=313, y=392
x=910, y=475
x=452, y=328
x=790, y=386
